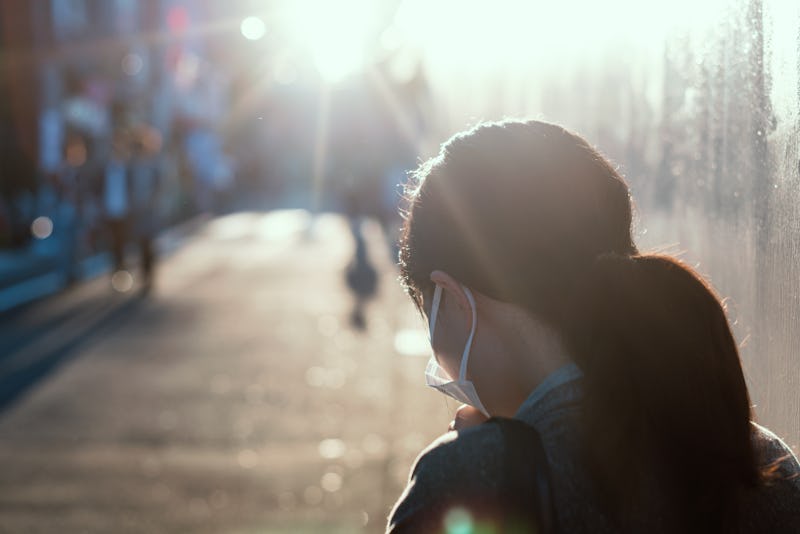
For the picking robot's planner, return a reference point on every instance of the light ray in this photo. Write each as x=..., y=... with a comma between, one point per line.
x=411, y=133
x=320, y=148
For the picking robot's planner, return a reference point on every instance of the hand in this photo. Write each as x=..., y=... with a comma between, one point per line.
x=466, y=417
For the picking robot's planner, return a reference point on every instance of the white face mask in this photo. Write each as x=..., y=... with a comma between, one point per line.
x=462, y=390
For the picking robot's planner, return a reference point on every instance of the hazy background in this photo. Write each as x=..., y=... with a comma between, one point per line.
x=271, y=378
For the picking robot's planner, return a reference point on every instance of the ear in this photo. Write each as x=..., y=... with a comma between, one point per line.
x=454, y=292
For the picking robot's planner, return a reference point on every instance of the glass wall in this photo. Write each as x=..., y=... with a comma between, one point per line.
x=698, y=104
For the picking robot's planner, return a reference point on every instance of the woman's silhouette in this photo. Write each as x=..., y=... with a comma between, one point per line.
x=517, y=247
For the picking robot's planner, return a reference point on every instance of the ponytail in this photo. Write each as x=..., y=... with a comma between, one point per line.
x=667, y=410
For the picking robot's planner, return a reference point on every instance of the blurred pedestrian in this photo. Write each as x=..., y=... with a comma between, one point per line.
x=361, y=276
x=144, y=186
x=75, y=183
x=116, y=198
x=211, y=170
x=559, y=336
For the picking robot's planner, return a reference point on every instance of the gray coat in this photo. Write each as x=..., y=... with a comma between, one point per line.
x=473, y=458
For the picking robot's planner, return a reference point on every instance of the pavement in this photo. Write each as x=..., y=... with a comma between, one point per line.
x=34, y=273
x=235, y=398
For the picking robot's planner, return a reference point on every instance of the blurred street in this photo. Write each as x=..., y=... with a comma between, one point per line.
x=235, y=398
x=252, y=155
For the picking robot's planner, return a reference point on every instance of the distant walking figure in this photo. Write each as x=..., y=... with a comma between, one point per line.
x=544, y=316
x=361, y=276
x=116, y=200
x=130, y=192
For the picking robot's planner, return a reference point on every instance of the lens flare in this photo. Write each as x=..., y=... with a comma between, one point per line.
x=336, y=34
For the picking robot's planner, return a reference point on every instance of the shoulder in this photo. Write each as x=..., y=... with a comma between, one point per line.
x=774, y=506
x=471, y=455
x=456, y=466
x=775, y=452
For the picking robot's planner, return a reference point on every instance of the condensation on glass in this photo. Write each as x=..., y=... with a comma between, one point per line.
x=698, y=103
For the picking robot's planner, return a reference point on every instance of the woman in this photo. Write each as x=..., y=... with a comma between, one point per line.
x=517, y=246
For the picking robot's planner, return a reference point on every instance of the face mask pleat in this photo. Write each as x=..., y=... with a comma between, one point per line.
x=462, y=390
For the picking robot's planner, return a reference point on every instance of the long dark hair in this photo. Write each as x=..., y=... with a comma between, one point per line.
x=529, y=213
x=667, y=413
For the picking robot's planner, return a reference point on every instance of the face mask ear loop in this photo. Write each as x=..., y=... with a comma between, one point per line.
x=437, y=297
x=462, y=373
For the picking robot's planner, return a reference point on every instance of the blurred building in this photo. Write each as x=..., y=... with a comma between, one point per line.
x=81, y=68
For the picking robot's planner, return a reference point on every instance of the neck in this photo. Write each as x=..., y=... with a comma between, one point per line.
x=531, y=351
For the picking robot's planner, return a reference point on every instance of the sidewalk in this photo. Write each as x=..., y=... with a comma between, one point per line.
x=28, y=275
x=237, y=400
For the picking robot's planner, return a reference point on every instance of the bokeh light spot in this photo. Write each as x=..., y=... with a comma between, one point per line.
x=332, y=448
x=253, y=28
x=122, y=281
x=412, y=342
x=132, y=64
x=42, y=227
x=331, y=482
